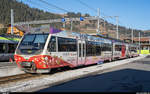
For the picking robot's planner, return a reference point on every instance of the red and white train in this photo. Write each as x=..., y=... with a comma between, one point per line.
x=40, y=52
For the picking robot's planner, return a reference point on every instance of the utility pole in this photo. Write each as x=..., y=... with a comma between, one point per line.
x=12, y=20
x=104, y=25
x=117, y=20
x=98, y=20
x=64, y=25
x=139, y=43
x=71, y=26
x=132, y=35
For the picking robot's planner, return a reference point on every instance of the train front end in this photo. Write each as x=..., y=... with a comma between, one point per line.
x=29, y=53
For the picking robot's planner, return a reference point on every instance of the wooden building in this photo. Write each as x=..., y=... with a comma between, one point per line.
x=17, y=30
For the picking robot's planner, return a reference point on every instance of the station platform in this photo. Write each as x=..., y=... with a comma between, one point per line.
x=9, y=68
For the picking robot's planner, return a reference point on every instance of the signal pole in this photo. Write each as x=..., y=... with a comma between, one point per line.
x=71, y=26
x=12, y=20
x=104, y=25
x=117, y=20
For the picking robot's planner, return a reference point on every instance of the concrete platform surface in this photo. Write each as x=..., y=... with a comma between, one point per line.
x=8, y=69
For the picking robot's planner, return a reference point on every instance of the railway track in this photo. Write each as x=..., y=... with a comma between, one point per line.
x=19, y=77
x=8, y=79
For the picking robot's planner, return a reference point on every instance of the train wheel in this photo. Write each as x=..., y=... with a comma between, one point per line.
x=49, y=70
x=33, y=67
x=113, y=59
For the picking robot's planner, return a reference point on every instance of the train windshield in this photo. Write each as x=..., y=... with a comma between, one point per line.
x=32, y=44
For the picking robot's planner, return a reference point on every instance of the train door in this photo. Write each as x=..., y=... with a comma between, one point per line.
x=81, y=52
x=123, y=51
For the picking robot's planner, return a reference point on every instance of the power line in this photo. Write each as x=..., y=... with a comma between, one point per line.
x=54, y=6
x=30, y=1
x=81, y=2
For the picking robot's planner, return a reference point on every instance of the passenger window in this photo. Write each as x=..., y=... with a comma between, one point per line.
x=52, y=44
x=79, y=49
x=67, y=44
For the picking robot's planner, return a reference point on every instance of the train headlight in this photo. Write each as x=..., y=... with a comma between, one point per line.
x=16, y=59
x=19, y=58
x=35, y=59
x=42, y=58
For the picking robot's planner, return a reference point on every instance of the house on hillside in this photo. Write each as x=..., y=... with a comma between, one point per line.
x=1, y=26
x=18, y=30
x=144, y=44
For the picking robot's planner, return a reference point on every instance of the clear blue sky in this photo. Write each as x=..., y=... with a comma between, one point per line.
x=132, y=13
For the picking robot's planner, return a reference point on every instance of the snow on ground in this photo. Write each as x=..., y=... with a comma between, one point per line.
x=9, y=71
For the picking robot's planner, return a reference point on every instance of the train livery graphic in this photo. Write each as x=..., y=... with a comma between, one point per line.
x=40, y=52
x=7, y=46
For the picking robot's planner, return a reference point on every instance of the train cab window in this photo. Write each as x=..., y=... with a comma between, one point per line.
x=67, y=45
x=52, y=44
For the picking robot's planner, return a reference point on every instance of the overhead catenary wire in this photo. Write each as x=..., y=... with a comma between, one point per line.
x=81, y=2
x=54, y=6
x=35, y=3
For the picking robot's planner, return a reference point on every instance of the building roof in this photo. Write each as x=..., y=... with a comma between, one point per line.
x=143, y=39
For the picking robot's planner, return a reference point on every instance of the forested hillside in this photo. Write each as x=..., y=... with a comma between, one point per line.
x=22, y=12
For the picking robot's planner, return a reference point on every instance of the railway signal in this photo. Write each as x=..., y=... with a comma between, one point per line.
x=63, y=19
x=81, y=19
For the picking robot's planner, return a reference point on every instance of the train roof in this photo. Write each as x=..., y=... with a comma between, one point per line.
x=81, y=36
x=64, y=33
x=116, y=40
x=113, y=39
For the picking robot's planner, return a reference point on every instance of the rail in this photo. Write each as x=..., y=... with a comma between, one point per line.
x=4, y=80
